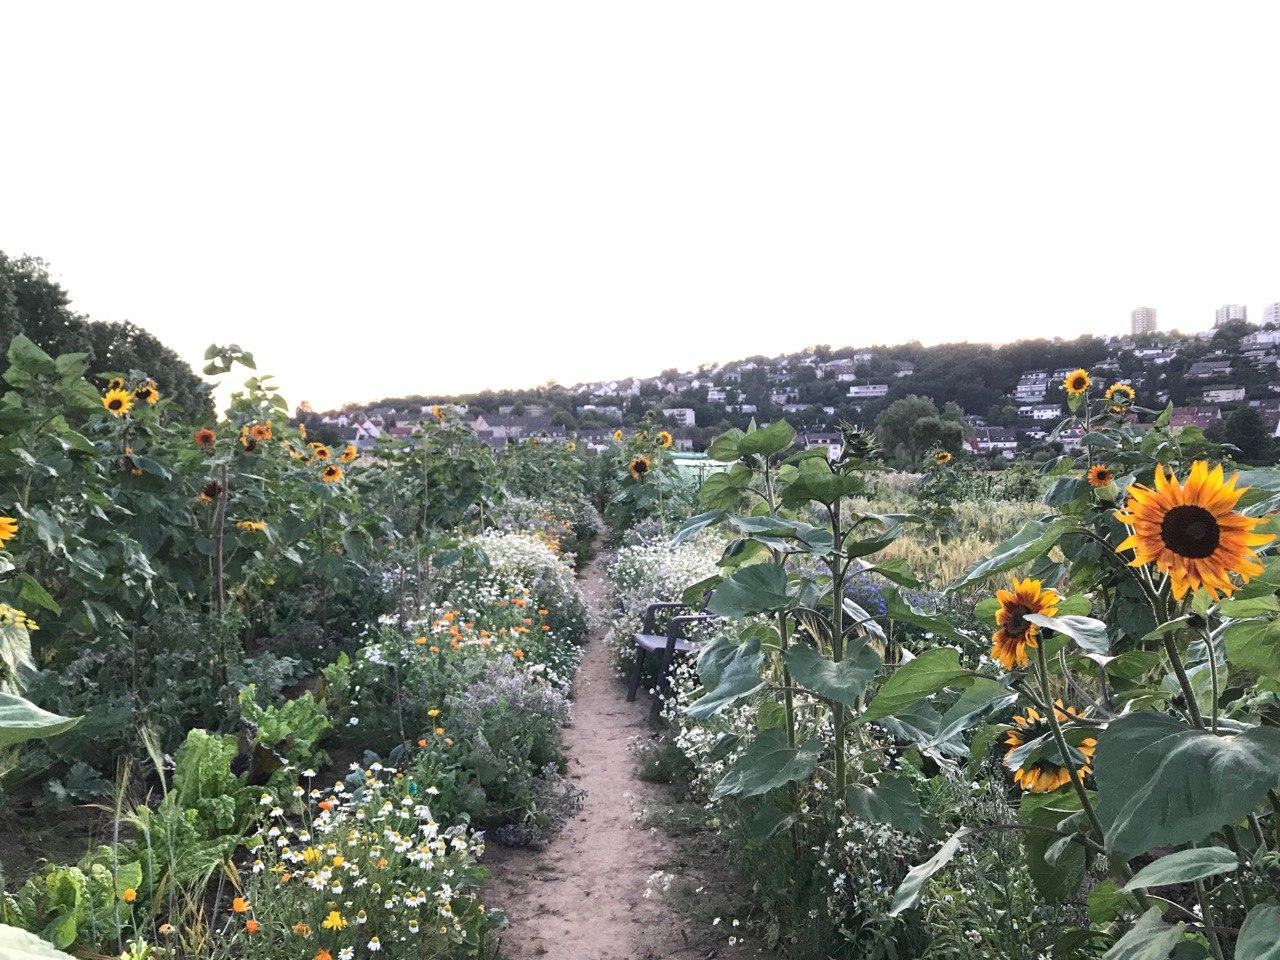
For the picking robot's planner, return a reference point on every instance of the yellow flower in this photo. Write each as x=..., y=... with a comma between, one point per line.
x=334, y=921
x=1191, y=532
x=665, y=439
x=1076, y=382
x=639, y=467
x=251, y=526
x=433, y=712
x=8, y=529
x=1120, y=395
x=239, y=905
x=1099, y=475
x=942, y=458
x=1015, y=635
x=350, y=453
x=129, y=895
x=1045, y=776
x=617, y=435
x=118, y=402
x=147, y=393
x=570, y=446
x=331, y=473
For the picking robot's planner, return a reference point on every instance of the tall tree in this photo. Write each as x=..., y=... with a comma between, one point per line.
x=1246, y=429
x=31, y=302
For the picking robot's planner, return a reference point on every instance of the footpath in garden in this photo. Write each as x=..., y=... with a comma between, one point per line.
x=596, y=891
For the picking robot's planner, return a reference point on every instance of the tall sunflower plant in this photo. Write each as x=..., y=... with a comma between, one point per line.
x=1137, y=627
x=646, y=485
x=806, y=649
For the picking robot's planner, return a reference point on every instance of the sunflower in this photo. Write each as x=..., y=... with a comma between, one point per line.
x=332, y=473
x=617, y=435
x=1076, y=382
x=116, y=383
x=942, y=458
x=205, y=437
x=1099, y=475
x=148, y=393
x=210, y=492
x=319, y=451
x=251, y=526
x=8, y=529
x=1045, y=776
x=349, y=454
x=261, y=431
x=1015, y=636
x=665, y=439
x=437, y=412
x=570, y=447
x=118, y=402
x=1191, y=532
x=1120, y=395
x=639, y=467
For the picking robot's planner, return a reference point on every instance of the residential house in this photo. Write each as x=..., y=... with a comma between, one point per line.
x=1202, y=417
x=1223, y=393
x=868, y=390
x=833, y=443
x=684, y=416
x=1209, y=370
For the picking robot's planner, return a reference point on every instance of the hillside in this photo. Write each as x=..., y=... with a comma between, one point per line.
x=1007, y=396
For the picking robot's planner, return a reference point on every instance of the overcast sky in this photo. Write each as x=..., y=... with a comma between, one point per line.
x=421, y=197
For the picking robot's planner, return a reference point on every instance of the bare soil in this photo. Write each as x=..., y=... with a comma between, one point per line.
x=618, y=883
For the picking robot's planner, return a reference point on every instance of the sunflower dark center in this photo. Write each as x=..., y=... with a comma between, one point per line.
x=115, y=404
x=1017, y=618
x=1190, y=531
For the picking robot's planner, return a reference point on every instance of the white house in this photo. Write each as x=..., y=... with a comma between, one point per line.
x=716, y=394
x=684, y=416
x=866, y=390
x=1223, y=393
x=1040, y=411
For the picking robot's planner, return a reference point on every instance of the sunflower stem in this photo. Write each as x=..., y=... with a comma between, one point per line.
x=1213, y=679
x=1188, y=692
x=1120, y=866
x=1206, y=911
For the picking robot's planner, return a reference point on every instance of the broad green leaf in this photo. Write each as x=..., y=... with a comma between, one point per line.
x=1089, y=634
x=1105, y=901
x=1260, y=936
x=912, y=888
x=916, y=679
x=1254, y=645
x=781, y=533
x=1162, y=783
x=723, y=491
x=900, y=610
x=768, y=822
x=1037, y=537
x=767, y=763
x=766, y=441
x=892, y=801
x=842, y=682
x=897, y=571
x=725, y=447
x=1148, y=939
x=1249, y=607
x=19, y=944
x=21, y=720
x=739, y=677
x=1184, y=866
x=816, y=482
x=758, y=588
x=695, y=525
x=1060, y=879
x=981, y=697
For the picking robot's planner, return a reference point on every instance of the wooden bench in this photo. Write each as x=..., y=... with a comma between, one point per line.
x=674, y=643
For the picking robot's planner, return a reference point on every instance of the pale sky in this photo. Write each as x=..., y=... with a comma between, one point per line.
x=440, y=197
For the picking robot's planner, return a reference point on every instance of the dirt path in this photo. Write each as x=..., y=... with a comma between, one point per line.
x=583, y=897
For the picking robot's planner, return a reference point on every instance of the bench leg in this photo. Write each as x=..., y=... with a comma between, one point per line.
x=636, y=675
x=663, y=686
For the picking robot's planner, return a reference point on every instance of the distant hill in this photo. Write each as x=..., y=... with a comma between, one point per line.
x=1013, y=391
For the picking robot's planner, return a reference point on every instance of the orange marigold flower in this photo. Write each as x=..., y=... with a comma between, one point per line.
x=239, y=905
x=205, y=437
x=129, y=895
x=251, y=926
x=519, y=654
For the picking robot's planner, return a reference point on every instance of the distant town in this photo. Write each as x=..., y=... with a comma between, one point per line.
x=1007, y=397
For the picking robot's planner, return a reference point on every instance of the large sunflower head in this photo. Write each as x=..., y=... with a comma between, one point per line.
x=8, y=528
x=210, y=492
x=117, y=402
x=205, y=437
x=942, y=457
x=1044, y=776
x=148, y=393
x=639, y=467
x=350, y=453
x=116, y=383
x=665, y=439
x=1191, y=531
x=1015, y=635
x=1076, y=382
x=1099, y=476
x=1121, y=396
x=332, y=473
x=261, y=431
x=319, y=451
